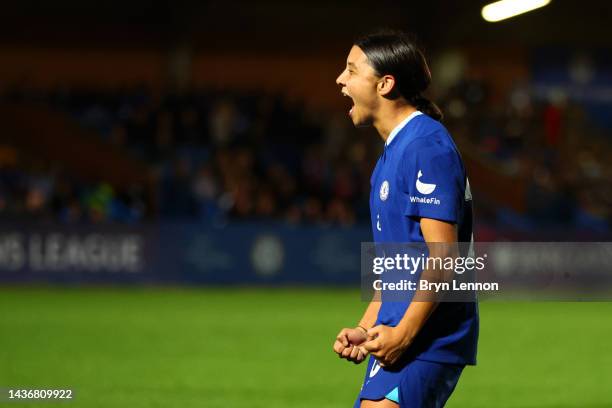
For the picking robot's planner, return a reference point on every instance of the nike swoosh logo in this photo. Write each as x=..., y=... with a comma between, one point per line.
x=375, y=368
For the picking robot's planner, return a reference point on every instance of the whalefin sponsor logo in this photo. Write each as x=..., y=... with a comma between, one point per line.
x=424, y=188
x=424, y=200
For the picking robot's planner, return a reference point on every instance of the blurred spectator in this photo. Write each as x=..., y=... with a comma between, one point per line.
x=226, y=155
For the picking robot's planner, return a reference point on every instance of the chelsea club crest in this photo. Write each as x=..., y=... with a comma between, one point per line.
x=384, y=190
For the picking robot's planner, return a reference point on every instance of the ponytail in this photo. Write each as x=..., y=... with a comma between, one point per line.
x=427, y=107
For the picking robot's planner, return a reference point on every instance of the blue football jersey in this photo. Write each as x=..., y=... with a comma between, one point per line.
x=420, y=174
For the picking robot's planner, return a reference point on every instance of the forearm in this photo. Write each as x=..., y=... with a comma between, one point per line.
x=441, y=239
x=425, y=302
x=370, y=315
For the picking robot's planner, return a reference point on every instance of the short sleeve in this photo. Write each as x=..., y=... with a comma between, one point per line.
x=432, y=180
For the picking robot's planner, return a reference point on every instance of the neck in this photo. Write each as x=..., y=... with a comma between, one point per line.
x=391, y=116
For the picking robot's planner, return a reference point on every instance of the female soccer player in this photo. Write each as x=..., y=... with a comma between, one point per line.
x=420, y=193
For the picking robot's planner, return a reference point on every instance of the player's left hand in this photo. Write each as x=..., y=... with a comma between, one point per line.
x=386, y=343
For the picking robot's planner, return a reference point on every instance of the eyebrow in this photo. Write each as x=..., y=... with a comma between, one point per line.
x=350, y=64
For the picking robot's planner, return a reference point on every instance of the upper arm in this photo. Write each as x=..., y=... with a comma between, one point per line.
x=438, y=231
x=432, y=180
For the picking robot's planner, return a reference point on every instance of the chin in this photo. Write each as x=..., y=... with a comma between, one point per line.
x=360, y=118
x=360, y=122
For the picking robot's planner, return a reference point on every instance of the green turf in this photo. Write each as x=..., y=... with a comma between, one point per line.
x=272, y=348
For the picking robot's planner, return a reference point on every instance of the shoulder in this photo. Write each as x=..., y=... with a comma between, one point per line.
x=423, y=125
x=431, y=146
x=429, y=141
x=427, y=133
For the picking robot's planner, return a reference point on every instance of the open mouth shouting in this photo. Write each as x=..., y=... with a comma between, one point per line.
x=350, y=112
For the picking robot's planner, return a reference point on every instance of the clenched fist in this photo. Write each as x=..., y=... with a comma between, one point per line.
x=347, y=342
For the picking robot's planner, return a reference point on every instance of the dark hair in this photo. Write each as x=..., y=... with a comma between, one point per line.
x=395, y=53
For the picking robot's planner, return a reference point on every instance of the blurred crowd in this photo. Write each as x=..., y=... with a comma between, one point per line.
x=220, y=155
x=217, y=155
x=36, y=190
x=550, y=144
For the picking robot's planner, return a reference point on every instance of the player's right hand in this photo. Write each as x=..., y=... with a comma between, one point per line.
x=347, y=342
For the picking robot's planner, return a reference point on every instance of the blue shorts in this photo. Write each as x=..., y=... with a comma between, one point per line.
x=418, y=384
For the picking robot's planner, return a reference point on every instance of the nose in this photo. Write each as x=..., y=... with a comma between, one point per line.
x=340, y=79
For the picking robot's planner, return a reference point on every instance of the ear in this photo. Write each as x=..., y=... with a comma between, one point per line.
x=385, y=85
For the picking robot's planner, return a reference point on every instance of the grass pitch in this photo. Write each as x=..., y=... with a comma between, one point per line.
x=155, y=347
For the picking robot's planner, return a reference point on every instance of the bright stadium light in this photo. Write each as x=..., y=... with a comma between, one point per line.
x=501, y=10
